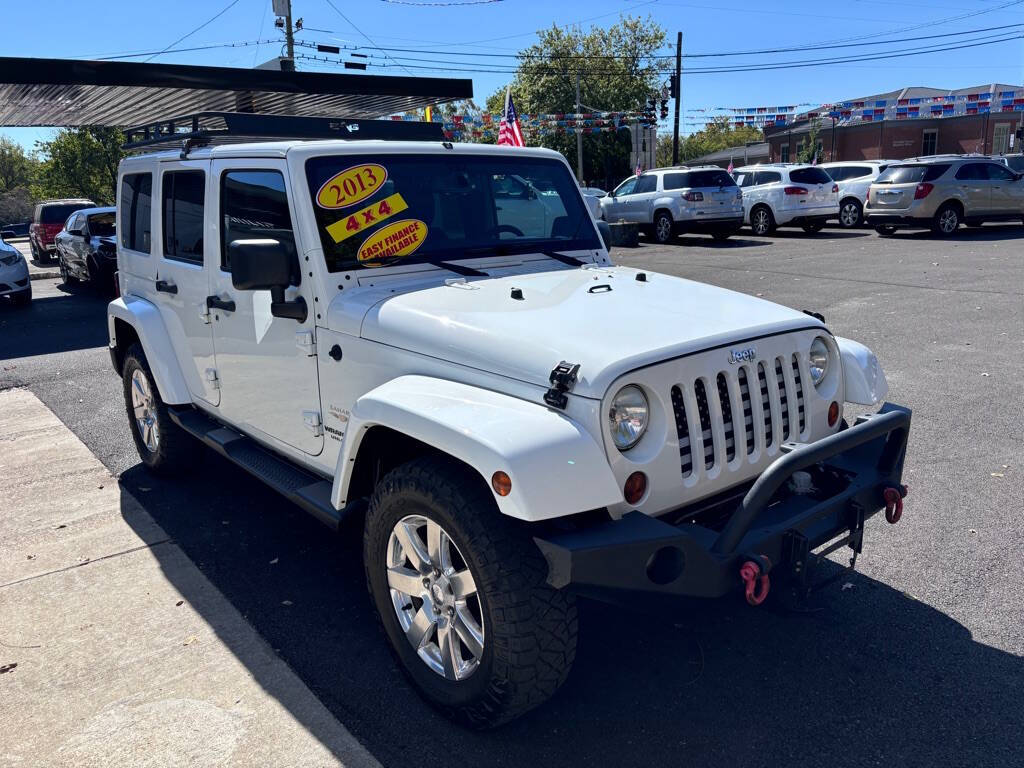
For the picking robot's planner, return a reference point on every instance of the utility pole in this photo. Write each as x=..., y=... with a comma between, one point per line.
x=678, y=88
x=579, y=135
x=289, y=35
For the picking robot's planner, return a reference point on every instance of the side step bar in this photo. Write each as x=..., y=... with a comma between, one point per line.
x=310, y=492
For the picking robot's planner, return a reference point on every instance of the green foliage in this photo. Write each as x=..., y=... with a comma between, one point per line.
x=809, y=145
x=80, y=162
x=546, y=82
x=719, y=134
x=17, y=168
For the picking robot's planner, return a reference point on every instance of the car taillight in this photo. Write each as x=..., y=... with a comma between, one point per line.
x=835, y=189
x=796, y=191
x=693, y=197
x=923, y=189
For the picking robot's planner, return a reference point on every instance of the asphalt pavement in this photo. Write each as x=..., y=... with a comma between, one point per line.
x=914, y=660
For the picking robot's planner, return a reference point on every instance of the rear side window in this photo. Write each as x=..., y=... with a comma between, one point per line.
x=136, y=211
x=647, y=184
x=183, y=202
x=912, y=174
x=711, y=179
x=971, y=172
x=809, y=176
x=675, y=181
x=253, y=205
x=767, y=177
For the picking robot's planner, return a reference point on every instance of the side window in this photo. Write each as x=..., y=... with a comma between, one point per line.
x=136, y=211
x=253, y=205
x=183, y=203
x=72, y=222
x=838, y=173
x=625, y=188
x=647, y=183
x=998, y=172
x=711, y=179
x=768, y=177
x=971, y=172
x=675, y=181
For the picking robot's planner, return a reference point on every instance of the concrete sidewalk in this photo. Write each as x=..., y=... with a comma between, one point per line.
x=103, y=658
x=36, y=270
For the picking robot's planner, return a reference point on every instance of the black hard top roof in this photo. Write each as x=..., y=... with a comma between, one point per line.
x=61, y=92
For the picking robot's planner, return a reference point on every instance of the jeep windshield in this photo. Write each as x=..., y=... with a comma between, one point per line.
x=378, y=210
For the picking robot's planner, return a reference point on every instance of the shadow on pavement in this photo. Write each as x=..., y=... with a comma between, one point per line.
x=77, y=320
x=987, y=233
x=874, y=677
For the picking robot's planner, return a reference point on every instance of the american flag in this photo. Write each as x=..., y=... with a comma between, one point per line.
x=509, y=132
x=729, y=169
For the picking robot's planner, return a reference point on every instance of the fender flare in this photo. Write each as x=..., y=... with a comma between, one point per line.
x=145, y=318
x=556, y=466
x=666, y=202
x=863, y=378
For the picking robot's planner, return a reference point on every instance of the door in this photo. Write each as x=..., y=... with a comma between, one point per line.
x=614, y=206
x=266, y=365
x=640, y=205
x=182, y=281
x=1006, y=190
x=975, y=188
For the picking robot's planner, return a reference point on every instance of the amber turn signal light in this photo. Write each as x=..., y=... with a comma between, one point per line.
x=635, y=487
x=833, y=414
x=501, y=483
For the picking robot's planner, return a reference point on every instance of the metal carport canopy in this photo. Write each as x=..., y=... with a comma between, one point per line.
x=62, y=92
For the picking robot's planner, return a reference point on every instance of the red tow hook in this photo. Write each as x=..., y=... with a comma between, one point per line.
x=894, y=503
x=755, y=580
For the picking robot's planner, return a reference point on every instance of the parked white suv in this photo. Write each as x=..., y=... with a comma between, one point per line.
x=671, y=201
x=370, y=330
x=787, y=195
x=854, y=178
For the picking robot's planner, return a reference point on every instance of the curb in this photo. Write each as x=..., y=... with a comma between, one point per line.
x=43, y=275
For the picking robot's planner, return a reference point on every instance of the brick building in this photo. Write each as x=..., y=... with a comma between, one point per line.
x=893, y=134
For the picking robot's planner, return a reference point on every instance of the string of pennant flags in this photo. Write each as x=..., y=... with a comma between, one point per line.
x=541, y=123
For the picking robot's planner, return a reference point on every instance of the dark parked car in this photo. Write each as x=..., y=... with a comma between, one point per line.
x=47, y=221
x=16, y=230
x=87, y=248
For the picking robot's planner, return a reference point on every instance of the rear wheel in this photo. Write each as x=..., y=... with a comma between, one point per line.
x=885, y=230
x=813, y=227
x=664, y=227
x=162, y=445
x=851, y=214
x=462, y=594
x=65, y=276
x=946, y=221
x=761, y=220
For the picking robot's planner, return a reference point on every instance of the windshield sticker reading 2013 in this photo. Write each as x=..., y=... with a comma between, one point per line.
x=366, y=217
x=351, y=186
x=398, y=239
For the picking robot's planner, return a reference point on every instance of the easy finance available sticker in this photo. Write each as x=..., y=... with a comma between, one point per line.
x=398, y=239
x=366, y=217
x=351, y=186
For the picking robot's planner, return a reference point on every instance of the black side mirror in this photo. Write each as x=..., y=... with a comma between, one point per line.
x=267, y=265
x=606, y=234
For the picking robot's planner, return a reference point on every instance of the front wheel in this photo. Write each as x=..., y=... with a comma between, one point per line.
x=461, y=592
x=162, y=445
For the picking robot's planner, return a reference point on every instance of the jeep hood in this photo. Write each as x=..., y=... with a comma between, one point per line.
x=605, y=319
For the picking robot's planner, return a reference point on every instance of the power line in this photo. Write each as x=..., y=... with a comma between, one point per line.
x=208, y=21
x=357, y=29
x=241, y=44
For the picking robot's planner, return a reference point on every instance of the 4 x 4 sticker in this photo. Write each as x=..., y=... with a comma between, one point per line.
x=366, y=217
x=351, y=186
x=398, y=239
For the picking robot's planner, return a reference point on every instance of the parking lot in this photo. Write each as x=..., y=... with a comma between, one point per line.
x=916, y=660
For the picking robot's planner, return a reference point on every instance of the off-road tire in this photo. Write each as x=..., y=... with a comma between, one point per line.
x=885, y=230
x=530, y=628
x=762, y=226
x=175, y=449
x=941, y=220
x=664, y=229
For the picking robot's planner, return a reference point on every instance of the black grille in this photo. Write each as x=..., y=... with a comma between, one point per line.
x=748, y=410
x=683, y=429
x=802, y=422
x=723, y=398
x=705, y=423
x=783, y=401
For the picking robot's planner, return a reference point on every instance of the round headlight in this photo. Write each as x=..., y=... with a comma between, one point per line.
x=628, y=416
x=818, y=358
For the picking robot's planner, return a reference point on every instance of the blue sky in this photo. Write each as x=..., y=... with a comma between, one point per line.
x=503, y=27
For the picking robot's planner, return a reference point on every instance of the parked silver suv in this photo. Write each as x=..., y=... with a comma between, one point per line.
x=944, y=192
x=671, y=201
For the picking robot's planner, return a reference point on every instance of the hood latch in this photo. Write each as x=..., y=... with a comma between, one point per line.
x=562, y=378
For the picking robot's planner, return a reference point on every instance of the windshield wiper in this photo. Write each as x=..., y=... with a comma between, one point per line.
x=458, y=269
x=565, y=258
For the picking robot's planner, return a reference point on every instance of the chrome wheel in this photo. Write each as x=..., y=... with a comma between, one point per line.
x=435, y=597
x=760, y=221
x=849, y=215
x=663, y=228
x=948, y=221
x=144, y=410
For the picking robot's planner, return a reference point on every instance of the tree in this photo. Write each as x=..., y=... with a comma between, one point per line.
x=17, y=167
x=809, y=147
x=717, y=135
x=81, y=162
x=617, y=73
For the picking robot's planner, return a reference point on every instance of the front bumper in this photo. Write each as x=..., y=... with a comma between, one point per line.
x=850, y=471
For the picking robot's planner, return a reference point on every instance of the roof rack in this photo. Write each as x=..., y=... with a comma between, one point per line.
x=206, y=128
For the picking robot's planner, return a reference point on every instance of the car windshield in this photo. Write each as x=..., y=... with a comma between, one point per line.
x=102, y=224
x=911, y=174
x=376, y=210
x=58, y=214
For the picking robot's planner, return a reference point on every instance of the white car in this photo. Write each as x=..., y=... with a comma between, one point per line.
x=592, y=197
x=373, y=330
x=787, y=195
x=854, y=178
x=667, y=202
x=14, y=278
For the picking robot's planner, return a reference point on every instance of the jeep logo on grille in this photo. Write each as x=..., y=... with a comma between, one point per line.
x=747, y=355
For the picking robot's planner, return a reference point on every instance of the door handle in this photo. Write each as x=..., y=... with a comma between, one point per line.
x=216, y=302
x=164, y=287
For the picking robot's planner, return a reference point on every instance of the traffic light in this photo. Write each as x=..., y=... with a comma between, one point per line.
x=664, y=109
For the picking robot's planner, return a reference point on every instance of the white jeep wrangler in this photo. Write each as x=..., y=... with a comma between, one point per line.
x=392, y=330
